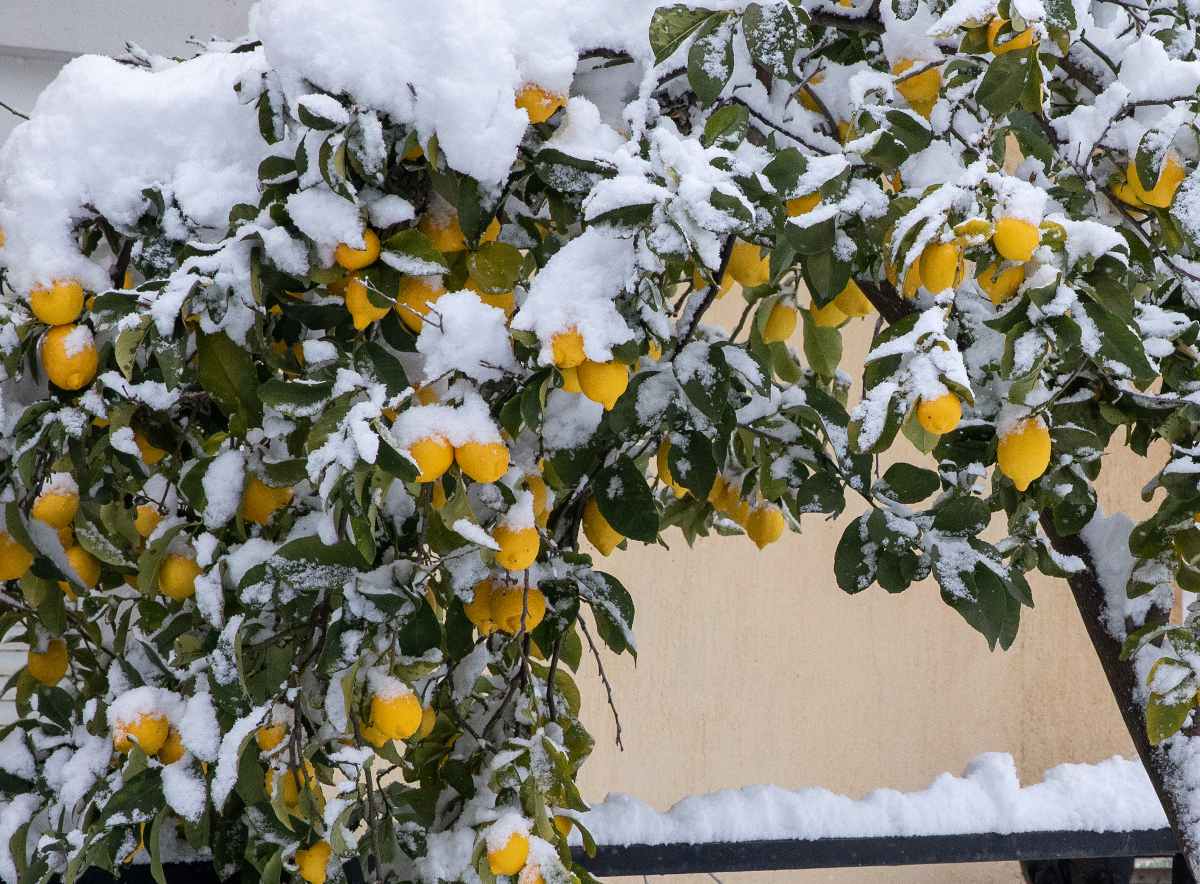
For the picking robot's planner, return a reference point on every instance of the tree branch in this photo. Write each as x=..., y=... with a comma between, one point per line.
x=604, y=678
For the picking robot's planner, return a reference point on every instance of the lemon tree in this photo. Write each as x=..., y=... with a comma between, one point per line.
x=312, y=390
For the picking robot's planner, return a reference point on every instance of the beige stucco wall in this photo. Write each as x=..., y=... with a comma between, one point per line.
x=755, y=668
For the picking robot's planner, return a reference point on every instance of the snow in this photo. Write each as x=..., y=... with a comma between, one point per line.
x=13, y=815
x=198, y=727
x=1150, y=74
x=468, y=422
x=472, y=532
x=223, y=482
x=225, y=777
x=183, y=790
x=1112, y=796
x=15, y=757
x=463, y=334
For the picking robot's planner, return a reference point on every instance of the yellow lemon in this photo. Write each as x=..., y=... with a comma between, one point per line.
x=912, y=280
x=505, y=301
x=974, y=227
x=1000, y=285
x=940, y=265
x=396, y=717
x=358, y=302
x=598, y=531
x=69, y=356
x=149, y=731
x=433, y=455
x=829, y=316
x=853, y=302
x=567, y=349
x=172, y=747
x=146, y=519
x=531, y=874
x=664, y=469
x=414, y=153
x=1024, y=452
x=311, y=862
x=541, y=498
x=446, y=234
x=807, y=100
x=483, y=461
x=414, y=298
x=1022, y=40
x=919, y=90
x=85, y=566
x=699, y=282
x=293, y=781
x=603, y=382
x=509, y=601
x=570, y=378
x=50, y=665
x=260, y=501
x=563, y=824
x=940, y=414
x=509, y=859
x=59, y=304
x=66, y=536
x=428, y=722
x=350, y=258
x=14, y=559
x=479, y=609
x=56, y=508
x=539, y=103
x=270, y=735
x=781, y=323
x=1015, y=239
x=1162, y=194
x=802, y=205
x=151, y=453
x=518, y=547
x=748, y=265
x=177, y=577
x=764, y=525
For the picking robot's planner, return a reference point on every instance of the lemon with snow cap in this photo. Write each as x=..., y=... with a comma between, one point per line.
x=353, y=258
x=69, y=356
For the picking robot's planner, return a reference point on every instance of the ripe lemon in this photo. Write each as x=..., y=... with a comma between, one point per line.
x=151, y=453
x=85, y=566
x=446, y=234
x=59, y=304
x=509, y=859
x=940, y=266
x=479, y=609
x=260, y=501
x=483, y=461
x=50, y=665
x=567, y=349
x=1162, y=194
x=912, y=280
x=919, y=90
x=1024, y=452
x=603, y=382
x=350, y=258
x=974, y=227
x=56, y=508
x=739, y=510
x=311, y=862
x=598, y=531
x=699, y=282
x=563, y=824
x=829, y=316
x=853, y=302
x=1015, y=239
x=14, y=559
x=764, y=525
x=396, y=717
x=177, y=577
x=146, y=519
x=292, y=782
x=433, y=455
x=172, y=747
x=570, y=378
x=66, y=536
x=539, y=103
x=270, y=735
x=1022, y=40
x=781, y=324
x=939, y=415
x=541, y=498
x=149, y=731
x=69, y=356
x=509, y=601
x=664, y=469
x=802, y=205
x=414, y=298
x=748, y=265
x=358, y=303
x=505, y=301
x=1001, y=285
x=518, y=547
x=428, y=722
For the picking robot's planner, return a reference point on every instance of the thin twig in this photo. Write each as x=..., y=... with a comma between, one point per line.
x=604, y=678
x=12, y=110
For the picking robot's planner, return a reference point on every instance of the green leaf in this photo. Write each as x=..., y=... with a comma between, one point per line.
x=296, y=398
x=822, y=347
x=1120, y=343
x=1163, y=719
x=694, y=451
x=1030, y=136
x=710, y=60
x=314, y=120
x=1004, y=81
x=670, y=26
x=626, y=501
x=154, y=845
x=412, y=244
x=910, y=484
x=126, y=346
x=726, y=127
x=227, y=372
x=825, y=276
x=613, y=610
x=771, y=35
x=963, y=515
x=851, y=567
x=496, y=266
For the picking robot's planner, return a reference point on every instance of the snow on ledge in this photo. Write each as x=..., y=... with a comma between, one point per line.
x=1111, y=796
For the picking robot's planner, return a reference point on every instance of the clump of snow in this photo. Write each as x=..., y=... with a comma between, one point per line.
x=223, y=482
x=463, y=334
x=468, y=422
